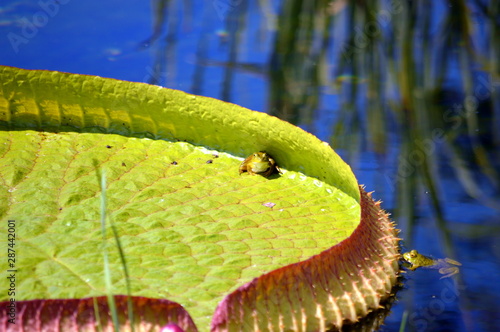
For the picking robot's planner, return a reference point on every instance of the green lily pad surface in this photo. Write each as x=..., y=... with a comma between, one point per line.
x=192, y=228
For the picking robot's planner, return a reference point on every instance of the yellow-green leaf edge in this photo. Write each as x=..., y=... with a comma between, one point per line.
x=130, y=108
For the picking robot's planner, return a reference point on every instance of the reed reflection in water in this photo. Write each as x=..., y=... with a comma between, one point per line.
x=406, y=91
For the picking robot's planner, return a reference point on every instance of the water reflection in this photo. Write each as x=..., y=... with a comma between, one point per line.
x=406, y=91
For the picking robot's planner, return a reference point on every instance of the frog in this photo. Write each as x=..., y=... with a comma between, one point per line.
x=446, y=266
x=259, y=163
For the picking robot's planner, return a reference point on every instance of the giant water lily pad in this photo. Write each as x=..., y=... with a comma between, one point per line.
x=194, y=231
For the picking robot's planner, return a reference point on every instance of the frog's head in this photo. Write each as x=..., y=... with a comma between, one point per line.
x=260, y=156
x=410, y=255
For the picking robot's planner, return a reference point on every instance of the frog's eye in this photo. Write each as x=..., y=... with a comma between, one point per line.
x=256, y=155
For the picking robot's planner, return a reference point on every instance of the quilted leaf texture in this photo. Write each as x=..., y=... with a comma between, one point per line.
x=308, y=241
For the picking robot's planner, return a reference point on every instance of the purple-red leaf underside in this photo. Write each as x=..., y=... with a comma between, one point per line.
x=79, y=315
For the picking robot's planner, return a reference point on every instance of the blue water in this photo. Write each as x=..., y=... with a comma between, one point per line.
x=112, y=39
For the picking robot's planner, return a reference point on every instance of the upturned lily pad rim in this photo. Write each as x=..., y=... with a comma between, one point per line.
x=143, y=110
x=69, y=103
